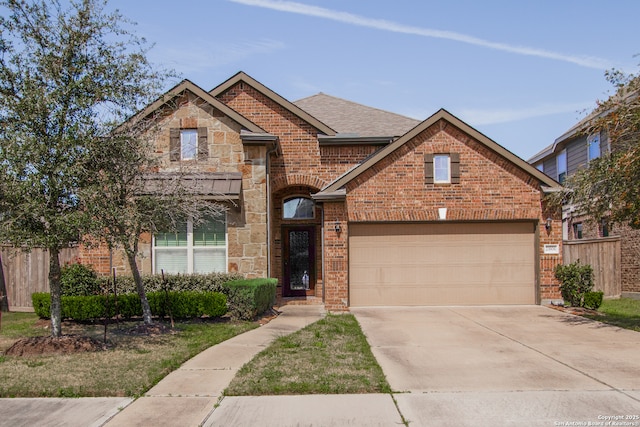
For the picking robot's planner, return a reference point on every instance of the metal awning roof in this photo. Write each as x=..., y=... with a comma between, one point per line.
x=214, y=185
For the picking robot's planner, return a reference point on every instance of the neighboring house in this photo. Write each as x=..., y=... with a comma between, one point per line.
x=350, y=205
x=569, y=153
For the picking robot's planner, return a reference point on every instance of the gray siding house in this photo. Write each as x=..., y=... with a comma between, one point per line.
x=569, y=153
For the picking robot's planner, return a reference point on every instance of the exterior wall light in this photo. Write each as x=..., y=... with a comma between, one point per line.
x=547, y=225
x=337, y=227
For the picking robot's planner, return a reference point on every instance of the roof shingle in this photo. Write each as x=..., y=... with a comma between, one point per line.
x=352, y=118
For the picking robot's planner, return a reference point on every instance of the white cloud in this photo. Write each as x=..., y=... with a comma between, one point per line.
x=478, y=117
x=488, y=116
x=381, y=24
x=203, y=54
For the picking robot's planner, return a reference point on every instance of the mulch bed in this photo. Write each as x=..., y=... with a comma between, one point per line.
x=69, y=344
x=578, y=311
x=66, y=344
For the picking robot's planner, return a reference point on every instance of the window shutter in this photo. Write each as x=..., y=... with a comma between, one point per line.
x=455, y=167
x=203, y=145
x=174, y=144
x=428, y=168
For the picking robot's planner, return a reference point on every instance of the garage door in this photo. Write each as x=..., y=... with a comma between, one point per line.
x=441, y=264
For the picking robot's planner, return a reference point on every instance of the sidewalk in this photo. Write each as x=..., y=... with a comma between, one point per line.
x=189, y=395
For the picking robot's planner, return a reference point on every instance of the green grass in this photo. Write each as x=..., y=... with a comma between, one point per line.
x=330, y=356
x=19, y=325
x=130, y=367
x=623, y=312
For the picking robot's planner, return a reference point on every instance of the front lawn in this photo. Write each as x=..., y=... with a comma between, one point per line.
x=131, y=365
x=330, y=356
x=623, y=312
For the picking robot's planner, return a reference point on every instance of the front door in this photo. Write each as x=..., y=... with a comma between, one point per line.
x=299, y=260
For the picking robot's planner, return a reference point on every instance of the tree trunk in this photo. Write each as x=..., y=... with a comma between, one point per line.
x=56, y=292
x=146, y=310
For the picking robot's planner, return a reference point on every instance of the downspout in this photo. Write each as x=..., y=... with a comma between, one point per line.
x=322, y=230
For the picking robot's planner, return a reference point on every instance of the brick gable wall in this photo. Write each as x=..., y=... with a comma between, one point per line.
x=491, y=188
x=303, y=168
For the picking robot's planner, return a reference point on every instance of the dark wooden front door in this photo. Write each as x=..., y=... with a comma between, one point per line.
x=299, y=260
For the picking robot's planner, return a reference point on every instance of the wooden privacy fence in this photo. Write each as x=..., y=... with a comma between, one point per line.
x=604, y=257
x=27, y=272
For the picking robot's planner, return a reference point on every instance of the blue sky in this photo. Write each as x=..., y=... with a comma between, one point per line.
x=521, y=72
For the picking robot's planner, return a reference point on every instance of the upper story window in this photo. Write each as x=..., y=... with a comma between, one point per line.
x=298, y=208
x=561, y=162
x=442, y=168
x=593, y=146
x=188, y=144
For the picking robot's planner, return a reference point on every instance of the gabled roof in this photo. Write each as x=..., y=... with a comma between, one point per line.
x=302, y=114
x=187, y=85
x=572, y=132
x=349, y=117
x=334, y=187
x=583, y=125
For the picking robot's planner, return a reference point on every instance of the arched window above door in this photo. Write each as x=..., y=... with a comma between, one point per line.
x=298, y=208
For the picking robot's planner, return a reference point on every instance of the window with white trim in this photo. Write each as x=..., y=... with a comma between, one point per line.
x=200, y=248
x=593, y=146
x=188, y=144
x=441, y=169
x=561, y=163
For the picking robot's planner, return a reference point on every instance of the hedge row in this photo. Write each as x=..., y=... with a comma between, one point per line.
x=81, y=280
x=179, y=304
x=242, y=299
x=211, y=282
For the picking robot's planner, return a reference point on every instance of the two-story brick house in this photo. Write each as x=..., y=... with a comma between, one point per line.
x=350, y=205
x=569, y=153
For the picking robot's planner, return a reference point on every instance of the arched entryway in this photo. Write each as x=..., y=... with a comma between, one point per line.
x=297, y=253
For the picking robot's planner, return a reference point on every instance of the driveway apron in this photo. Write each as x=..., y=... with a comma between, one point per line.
x=497, y=365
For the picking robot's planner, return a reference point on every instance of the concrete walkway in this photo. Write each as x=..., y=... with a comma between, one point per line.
x=188, y=395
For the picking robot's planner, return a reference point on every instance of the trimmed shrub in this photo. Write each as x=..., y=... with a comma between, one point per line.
x=79, y=279
x=211, y=282
x=576, y=279
x=41, y=304
x=593, y=300
x=182, y=305
x=250, y=297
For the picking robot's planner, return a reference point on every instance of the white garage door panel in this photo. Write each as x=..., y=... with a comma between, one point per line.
x=441, y=264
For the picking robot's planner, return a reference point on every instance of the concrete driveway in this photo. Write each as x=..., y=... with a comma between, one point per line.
x=505, y=365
